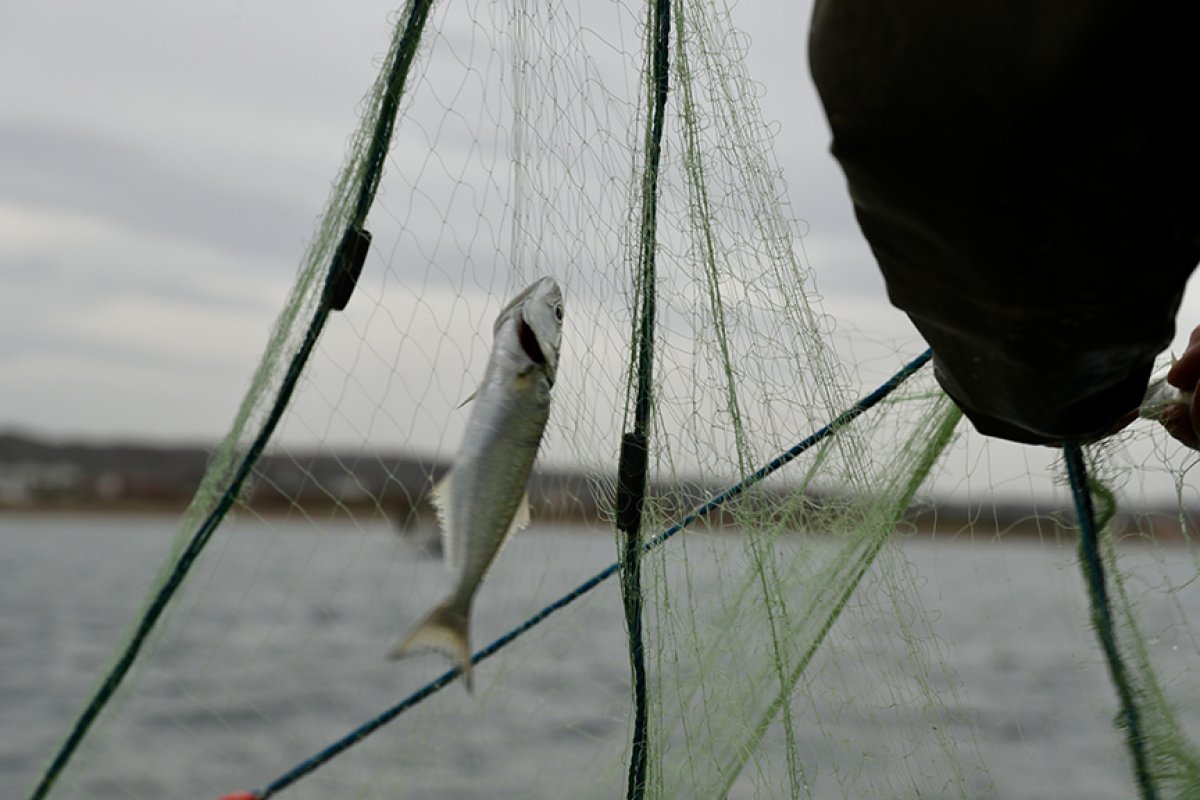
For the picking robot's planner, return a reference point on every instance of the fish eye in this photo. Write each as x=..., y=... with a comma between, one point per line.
x=558, y=312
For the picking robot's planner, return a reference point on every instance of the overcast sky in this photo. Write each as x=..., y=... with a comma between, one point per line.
x=162, y=166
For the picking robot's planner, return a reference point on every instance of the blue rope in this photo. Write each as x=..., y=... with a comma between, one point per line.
x=434, y=686
x=1102, y=619
x=366, y=729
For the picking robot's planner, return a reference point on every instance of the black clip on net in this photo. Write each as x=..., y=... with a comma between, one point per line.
x=347, y=266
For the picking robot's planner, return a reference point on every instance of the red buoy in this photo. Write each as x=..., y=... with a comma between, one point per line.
x=239, y=796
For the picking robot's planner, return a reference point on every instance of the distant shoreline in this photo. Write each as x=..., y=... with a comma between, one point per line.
x=42, y=477
x=953, y=524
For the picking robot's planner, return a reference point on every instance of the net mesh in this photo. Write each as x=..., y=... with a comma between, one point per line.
x=799, y=644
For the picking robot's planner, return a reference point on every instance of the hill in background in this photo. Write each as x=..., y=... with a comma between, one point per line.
x=41, y=475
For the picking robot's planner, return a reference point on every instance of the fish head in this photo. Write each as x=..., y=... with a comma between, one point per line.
x=538, y=316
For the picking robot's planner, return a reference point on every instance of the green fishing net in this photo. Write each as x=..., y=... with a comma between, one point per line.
x=890, y=615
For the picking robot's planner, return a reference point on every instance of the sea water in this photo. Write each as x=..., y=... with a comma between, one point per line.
x=276, y=648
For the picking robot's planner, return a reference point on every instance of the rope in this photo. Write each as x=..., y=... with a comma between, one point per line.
x=186, y=559
x=1102, y=618
x=339, y=283
x=437, y=684
x=631, y=471
x=381, y=138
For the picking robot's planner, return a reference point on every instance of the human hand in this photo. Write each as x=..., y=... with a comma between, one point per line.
x=1182, y=420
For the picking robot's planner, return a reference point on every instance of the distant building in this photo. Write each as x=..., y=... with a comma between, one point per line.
x=25, y=483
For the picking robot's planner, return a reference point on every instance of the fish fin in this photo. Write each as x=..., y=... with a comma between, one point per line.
x=445, y=631
x=440, y=499
x=470, y=397
x=520, y=520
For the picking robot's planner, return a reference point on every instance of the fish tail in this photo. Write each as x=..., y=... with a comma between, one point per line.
x=444, y=630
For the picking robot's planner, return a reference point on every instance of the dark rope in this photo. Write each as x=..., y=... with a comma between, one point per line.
x=631, y=594
x=632, y=468
x=339, y=282
x=199, y=539
x=381, y=137
x=366, y=729
x=429, y=689
x=1102, y=619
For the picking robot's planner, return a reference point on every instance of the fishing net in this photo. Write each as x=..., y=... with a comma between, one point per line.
x=831, y=631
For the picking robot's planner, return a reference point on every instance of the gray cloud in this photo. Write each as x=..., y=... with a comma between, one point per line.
x=76, y=171
x=165, y=165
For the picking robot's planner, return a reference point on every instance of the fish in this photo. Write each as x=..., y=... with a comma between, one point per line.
x=482, y=500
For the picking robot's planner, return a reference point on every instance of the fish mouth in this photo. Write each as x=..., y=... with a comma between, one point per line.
x=529, y=342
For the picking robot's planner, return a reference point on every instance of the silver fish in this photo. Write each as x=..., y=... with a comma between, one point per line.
x=481, y=502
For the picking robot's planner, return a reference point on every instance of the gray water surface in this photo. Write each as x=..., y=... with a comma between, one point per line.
x=276, y=648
